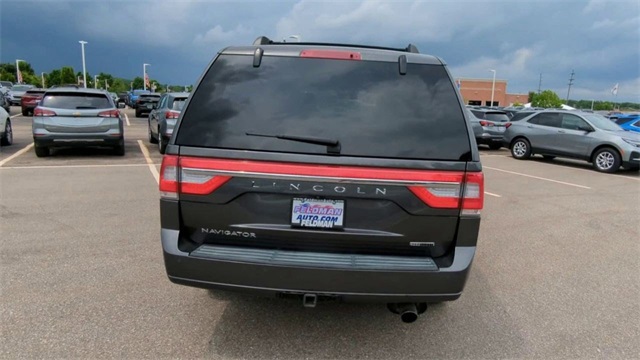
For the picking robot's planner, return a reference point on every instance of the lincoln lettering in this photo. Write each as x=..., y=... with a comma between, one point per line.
x=320, y=188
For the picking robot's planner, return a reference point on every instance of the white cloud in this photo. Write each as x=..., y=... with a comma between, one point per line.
x=217, y=35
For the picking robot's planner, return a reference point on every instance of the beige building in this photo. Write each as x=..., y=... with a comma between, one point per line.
x=478, y=92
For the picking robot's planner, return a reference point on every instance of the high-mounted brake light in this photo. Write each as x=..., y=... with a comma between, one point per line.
x=43, y=112
x=109, y=114
x=331, y=54
x=171, y=114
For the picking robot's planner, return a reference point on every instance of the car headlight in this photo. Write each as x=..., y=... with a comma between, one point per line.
x=635, y=143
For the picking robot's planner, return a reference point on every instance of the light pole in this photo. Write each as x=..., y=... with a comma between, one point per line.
x=18, y=76
x=493, y=87
x=84, y=67
x=42, y=77
x=95, y=81
x=144, y=75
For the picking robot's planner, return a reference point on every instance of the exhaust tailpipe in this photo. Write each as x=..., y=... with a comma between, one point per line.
x=408, y=312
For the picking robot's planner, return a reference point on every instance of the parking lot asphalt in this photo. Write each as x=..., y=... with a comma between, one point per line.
x=557, y=273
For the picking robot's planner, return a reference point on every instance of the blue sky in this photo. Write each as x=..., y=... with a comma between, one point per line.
x=600, y=40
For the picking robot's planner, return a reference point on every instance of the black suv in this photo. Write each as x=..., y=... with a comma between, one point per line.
x=323, y=171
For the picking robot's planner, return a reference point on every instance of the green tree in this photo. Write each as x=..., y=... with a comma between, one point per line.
x=138, y=83
x=67, y=75
x=546, y=99
x=531, y=96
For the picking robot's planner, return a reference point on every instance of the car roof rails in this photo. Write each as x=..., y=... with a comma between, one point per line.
x=263, y=40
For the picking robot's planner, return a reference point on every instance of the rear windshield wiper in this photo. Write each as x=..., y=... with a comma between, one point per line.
x=85, y=107
x=333, y=146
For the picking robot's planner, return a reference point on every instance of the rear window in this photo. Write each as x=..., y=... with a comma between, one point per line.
x=178, y=103
x=520, y=115
x=35, y=92
x=368, y=106
x=499, y=117
x=76, y=101
x=149, y=97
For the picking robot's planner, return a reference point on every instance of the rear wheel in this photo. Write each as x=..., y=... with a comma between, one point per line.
x=521, y=149
x=152, y=139
x=138, y=114
x=606, y=160
x=119, y=150
x=25, y=112
x=42, y=151
x=7, y=138
x=162, y=143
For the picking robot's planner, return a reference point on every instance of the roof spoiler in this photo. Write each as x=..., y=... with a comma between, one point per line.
x=263, y=40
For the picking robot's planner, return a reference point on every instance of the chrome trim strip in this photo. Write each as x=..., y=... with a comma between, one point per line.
x=320, y=178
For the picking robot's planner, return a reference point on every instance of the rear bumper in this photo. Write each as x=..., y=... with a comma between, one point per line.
x=346, y=283
x=632, y=161
x=79, y=140
x=489, y=139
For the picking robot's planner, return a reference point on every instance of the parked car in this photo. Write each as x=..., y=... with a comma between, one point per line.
x=163, y=118
x=30, y=100
x=145, y=103
x=16, y=92
x=77, y=117
x=5, y=102
x=522, y=114
x=133, y=97
x=6, y=131
x=589, y=137
x=494, y=123
x=122, y=99
x=629, y=122
x=6, y=84
x=286, y=176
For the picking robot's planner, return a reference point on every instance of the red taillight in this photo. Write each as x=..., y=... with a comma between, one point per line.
x=178, y=177
x=109, y=114
x=43, y=112
x=507, y=125
x=447, y=195
x=331, y=54
x=473, y=195
x=486, y=123
x=171, y=114
x=169, y=177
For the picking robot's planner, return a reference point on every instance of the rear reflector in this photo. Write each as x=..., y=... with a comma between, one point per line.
x=331, y=54
x=43, y=112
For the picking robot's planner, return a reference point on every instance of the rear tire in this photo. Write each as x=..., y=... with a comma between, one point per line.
x=162, y=143
x=25, y=112
x=119, y=150
x=7, y=138
x=152, y=139
x=138, y=114
x=521, y=149
x=495, y=146
x=42, y=151
x=606, y=160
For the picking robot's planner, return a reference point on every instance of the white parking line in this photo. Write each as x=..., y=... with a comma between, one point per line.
x=71, y=166
x=16, y=115
x=492, y=194
x=538, y=177
x=127, y=118
x=18, y=153
x=152, y=166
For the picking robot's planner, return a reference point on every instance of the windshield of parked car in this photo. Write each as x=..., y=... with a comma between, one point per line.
x=602, y=122
x=368, y=106
x=21, y=87
x=75, y=101
x=497, y=116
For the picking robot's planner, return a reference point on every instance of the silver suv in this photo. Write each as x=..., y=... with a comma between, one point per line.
x=578, y=135
x=77, y=117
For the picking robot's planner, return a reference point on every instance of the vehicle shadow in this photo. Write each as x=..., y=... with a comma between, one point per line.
x=475, y=326
x=577, y=164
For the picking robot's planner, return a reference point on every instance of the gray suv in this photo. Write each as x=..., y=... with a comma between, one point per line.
x=77, y=117
x=323, y=172
x=163, y=118
x=579, y=135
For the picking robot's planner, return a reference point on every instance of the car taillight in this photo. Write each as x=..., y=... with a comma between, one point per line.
x=43, y=112
x=486, y=123
x=181, y=176
x=171, y=114
x=507, y=125
x=446, y=195
x=109, y=114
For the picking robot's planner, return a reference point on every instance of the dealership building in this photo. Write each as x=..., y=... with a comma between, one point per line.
x=478, y=92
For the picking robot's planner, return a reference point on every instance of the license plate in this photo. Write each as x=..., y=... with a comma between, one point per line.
x=500, y=128
x=317, y=213
x=149, y=106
